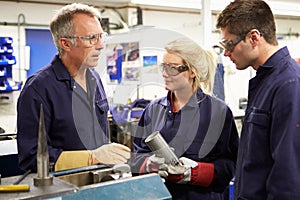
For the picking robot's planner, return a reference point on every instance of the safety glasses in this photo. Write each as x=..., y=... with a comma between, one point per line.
x=172, y=69
x=93, y=38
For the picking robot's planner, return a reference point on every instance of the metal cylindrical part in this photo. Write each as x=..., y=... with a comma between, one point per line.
x=160, y=148
x=43, y=166
x=43, y=178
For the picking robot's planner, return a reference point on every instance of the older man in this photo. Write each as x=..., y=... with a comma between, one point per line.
x=71, y=92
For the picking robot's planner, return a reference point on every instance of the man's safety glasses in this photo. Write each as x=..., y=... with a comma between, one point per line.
x=229, y=45
x=93, y=38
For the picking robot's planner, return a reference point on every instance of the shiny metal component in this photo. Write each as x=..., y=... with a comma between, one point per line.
x=43, y=178
x=117, y=172
x=121, y=168
x=160, y=148
x=82, y=177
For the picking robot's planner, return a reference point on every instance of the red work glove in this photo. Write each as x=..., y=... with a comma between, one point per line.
x=195, y=173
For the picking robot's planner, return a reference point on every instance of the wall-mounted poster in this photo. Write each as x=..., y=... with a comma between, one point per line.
x=123, y=62
x=149, y=61
x=150, y=64
x=114, y=62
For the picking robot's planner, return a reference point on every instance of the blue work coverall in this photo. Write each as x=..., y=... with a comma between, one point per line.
x=74, y=119
x=203, y=130
x=268, y=165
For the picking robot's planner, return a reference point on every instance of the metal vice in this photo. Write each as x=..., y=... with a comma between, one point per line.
x=93, y=182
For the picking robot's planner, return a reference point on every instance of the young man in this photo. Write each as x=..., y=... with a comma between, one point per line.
x=269, y=152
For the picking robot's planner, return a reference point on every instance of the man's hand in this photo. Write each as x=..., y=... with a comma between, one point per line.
x=112, y=153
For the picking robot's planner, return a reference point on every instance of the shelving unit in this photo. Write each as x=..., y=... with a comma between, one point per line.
x=7, y=60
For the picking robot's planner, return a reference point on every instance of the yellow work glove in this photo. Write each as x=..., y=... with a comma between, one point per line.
x=72, y=159
x=112, y=153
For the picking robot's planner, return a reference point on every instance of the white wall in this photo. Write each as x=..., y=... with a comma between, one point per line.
x=236, y=82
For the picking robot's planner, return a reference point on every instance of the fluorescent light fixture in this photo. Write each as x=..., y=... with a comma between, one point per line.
x=278, y=8
x=196, y=4
x=191, y=4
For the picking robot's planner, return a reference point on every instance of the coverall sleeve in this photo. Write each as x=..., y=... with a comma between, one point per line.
x=141, y=150
x=285, y=142
x=227, y=148
x=28, y=108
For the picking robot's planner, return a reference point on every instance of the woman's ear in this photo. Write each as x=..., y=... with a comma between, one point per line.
x=192, y=75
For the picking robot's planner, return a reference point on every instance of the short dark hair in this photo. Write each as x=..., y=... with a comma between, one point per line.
x=240, y=16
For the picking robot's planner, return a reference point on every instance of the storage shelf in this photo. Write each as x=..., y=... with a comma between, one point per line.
x=7, y=60
x=9, y=85
x=6, y=50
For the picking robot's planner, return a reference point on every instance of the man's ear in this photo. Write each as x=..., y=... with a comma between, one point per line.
x=65, y=44
x=255, y=35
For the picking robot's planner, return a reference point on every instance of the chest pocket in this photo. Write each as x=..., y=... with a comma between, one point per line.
x=259, y=118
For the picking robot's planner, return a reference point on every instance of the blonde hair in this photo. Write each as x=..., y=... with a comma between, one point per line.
x=201, y=62
x=61, y=24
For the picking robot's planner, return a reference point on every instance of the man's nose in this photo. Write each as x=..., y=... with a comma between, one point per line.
x=226, y=52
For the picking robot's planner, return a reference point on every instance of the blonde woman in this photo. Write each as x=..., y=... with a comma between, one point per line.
x=199, y=127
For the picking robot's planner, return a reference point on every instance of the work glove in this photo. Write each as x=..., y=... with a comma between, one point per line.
x=151, y=164
x=112, y=153
x=72, y=159
x=188, y=172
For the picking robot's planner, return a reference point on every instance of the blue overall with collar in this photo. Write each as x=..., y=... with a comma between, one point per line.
x=74, y=119
x=203, y=130
x=268, y=165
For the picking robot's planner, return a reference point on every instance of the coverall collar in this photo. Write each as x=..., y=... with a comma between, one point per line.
x=195, y=99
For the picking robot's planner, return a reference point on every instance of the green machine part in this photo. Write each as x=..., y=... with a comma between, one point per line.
x=148, y=186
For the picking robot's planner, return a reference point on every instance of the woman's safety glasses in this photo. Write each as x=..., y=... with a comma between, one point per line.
x=172, y=69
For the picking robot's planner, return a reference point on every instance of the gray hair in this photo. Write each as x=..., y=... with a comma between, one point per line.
x=61, y=24
x=201, y=62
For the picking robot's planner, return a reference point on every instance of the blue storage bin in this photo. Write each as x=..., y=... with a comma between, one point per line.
x=9, y=85
x=7, y=60
x=3, y=60
x=11, y=60
x=5, y=41
x=6, y=50
x=3, y=72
